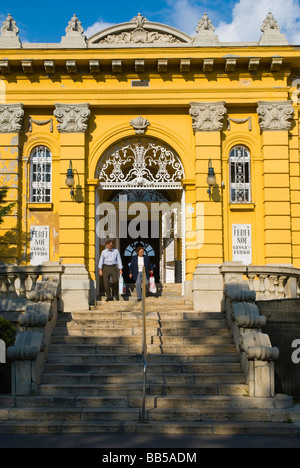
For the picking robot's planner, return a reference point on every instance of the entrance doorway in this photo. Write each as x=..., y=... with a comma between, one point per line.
x=139, y=202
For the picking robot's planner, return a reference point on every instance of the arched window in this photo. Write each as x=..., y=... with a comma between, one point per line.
x=41, y=175
x=240, y=188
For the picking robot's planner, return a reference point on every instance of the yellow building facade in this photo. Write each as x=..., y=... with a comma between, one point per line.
x=140, y=114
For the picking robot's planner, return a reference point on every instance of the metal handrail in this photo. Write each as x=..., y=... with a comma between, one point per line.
x=144, y=350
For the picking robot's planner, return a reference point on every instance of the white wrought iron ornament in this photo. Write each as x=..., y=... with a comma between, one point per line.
x=140, y=165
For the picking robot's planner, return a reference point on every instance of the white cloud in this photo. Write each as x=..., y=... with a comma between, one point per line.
x=184, y=15
x=97, y=27
x=248, y=17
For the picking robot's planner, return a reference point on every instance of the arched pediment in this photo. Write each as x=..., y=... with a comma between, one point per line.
x=139, y=31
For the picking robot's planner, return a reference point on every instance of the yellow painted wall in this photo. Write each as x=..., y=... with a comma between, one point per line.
x=274, y=212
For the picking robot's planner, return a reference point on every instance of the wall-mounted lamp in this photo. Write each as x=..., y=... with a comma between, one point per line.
x=211, y=177
x=70, y=181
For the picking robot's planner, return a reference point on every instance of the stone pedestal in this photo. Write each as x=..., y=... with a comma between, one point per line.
x=208, y=288
x=75, y=285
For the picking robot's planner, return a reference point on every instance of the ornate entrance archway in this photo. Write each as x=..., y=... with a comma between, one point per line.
x=140, y=200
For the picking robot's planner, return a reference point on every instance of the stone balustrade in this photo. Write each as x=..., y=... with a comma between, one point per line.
x=30, y=297
x=254, y=348
x=17, y=281
x=269, y=281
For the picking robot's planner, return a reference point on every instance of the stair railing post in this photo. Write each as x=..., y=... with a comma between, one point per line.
x=144, y=351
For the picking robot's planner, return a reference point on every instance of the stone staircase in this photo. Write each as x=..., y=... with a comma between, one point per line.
x=92, y=381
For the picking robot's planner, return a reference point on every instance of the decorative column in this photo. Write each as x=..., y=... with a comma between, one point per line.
x=275, y=122
x=11, y=119
x=208, y=122
x=73, y=123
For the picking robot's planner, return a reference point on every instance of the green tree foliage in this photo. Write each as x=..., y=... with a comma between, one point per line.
x=5, y=208
x=7, y=332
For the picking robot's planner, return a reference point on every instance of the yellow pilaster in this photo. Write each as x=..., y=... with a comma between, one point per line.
x=10, y=177
x=91, y=234
x=294, y=148
x=277, y=208
x=209, y=208
x=191, y=257
x=72, y=209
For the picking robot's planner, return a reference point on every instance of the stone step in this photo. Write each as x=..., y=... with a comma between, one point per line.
x=166, y=370
x=93, y=341
x=211, y=414
x=113, y=345
x=112, y=353
x=208, y=385
x=176, y=314
x=119, y=413
x=200, y=402
x=154, y=380
x=134, y=329
x=211, y=428
x=150, y=300
x=228, y=363
x=73, y=414
x=186, y=325
x=158, y=427
x=157, y=346
x=137, y=368
x=210, y=350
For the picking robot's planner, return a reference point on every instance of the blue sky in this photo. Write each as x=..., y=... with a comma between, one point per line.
x=234, y=20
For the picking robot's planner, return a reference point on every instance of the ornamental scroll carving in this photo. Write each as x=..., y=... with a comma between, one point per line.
x=72, y=118
x=140, y=164
x=11, y=118
x=139, y=35
x=275, y=115
x=208, y=117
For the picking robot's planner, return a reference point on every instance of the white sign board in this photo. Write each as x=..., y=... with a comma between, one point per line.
x=242, y=243
x=39, y=245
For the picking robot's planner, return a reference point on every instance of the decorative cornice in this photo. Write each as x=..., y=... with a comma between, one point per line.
x=11, y=118
x=72, y=118
x=208, y=116
x=275, y=116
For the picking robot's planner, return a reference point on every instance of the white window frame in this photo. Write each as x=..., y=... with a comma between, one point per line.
x=41, y=175
x=240, y=175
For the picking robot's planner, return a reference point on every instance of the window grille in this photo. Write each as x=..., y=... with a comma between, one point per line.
x=240, y=186
x=41, y=175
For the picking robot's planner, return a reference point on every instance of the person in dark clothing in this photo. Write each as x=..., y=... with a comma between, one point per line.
x=136, y=270
x=110, y=267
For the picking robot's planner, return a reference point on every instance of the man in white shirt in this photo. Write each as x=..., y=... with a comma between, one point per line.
x=110, y=267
